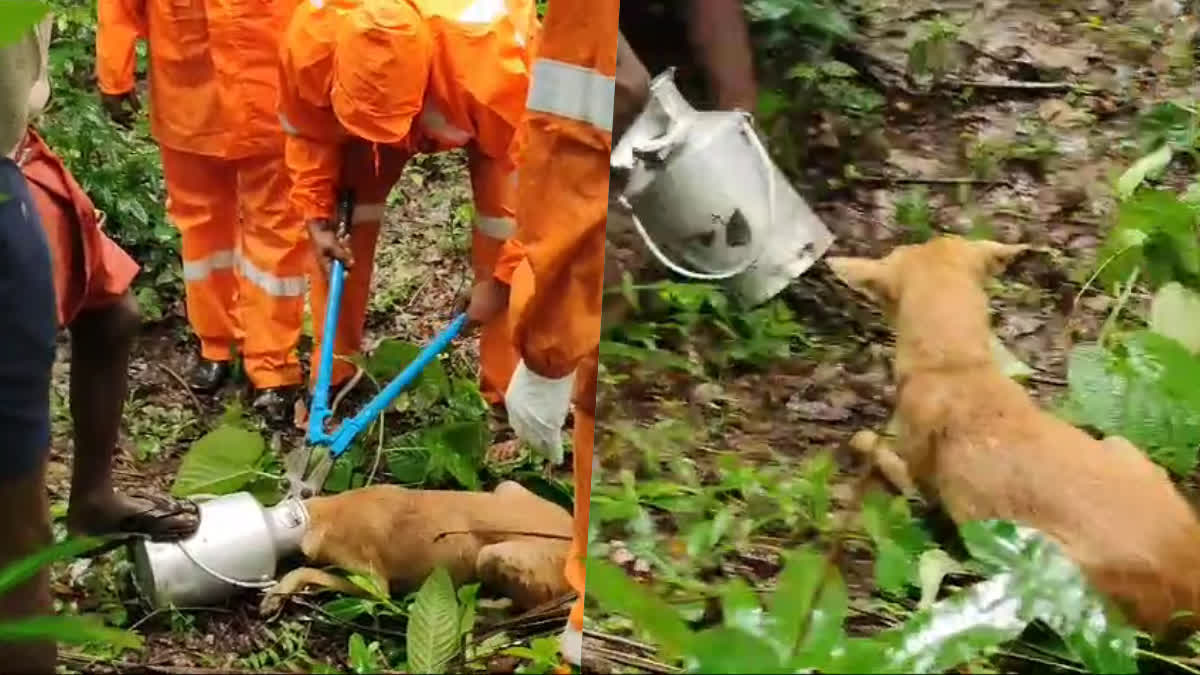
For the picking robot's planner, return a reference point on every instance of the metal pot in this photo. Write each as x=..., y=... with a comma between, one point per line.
x=238, y=544
x=708, y=201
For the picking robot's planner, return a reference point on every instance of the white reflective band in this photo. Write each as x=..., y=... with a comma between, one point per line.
x=287, y=126
x=573, y=92
x=496, y=228
x=435, y=123
x=279, y=287
x=199, y=270
x=483, y=12
x=317, y=3
x=369, y=213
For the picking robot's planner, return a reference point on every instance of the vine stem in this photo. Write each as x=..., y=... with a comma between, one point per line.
x=1121, y=301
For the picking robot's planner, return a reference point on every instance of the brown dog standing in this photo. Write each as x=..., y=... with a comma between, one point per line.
x=510, y=540
x=975, y=440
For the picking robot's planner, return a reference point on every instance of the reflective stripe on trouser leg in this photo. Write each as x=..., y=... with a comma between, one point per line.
x=497, y=357
x=202, y=204
x=355, y=298
x=271, y=271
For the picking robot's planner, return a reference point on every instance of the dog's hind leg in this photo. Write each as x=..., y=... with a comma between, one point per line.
x=528, y=571
x=880, y=452
x=300, y=579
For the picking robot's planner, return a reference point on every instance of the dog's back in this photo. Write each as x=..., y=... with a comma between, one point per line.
x=403, y=535
x=977, y=440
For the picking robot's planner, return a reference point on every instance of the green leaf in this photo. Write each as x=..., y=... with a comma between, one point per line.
x=1143, y=391
x=1155, y=231
x=1151, y=165
x=740, y=608
x=1008, y=362
x=221, y=462
x=17, y=17
x=20, y=571
x=360, y=656
x=727, y=650
x=1052, y=588
x=615, y=592
x=467, y=603
x=933, y=566
x=75, y=630
x=347, y=609
x=1175, y=313
x=433, y=625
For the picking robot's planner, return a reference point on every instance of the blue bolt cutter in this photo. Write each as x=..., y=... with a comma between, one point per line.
x=340, y=439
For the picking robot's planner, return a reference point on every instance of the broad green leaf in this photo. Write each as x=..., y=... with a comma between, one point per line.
x=17, y=17
x=1147, y=167
x=740, y=608
x=1155, y=231
x=727, y=650
x=1008, y=362
x=360, y=656
x=20, y=571
x=1175, y=313
x=796, y=592
x=933, y=566
x=75, y=630
x=433, y=625
x=615, y=592
x=1143, y=391
x=221, y=462
x=409, y=466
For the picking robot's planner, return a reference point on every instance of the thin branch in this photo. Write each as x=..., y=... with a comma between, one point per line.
x=183, y=383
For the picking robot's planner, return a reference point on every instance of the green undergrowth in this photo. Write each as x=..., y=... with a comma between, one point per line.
x=728, y=560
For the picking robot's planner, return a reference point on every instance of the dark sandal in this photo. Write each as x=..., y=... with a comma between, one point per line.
x=165, y=520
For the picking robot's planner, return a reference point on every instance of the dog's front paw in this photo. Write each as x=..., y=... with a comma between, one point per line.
x=272, y=602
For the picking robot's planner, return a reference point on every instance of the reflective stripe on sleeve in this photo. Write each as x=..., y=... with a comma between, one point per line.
x=496, y=227
x=573, y=92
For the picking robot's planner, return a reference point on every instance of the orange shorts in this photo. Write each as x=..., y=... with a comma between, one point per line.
x=90, y=270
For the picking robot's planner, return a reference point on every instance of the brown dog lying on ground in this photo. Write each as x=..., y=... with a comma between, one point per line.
x=510, y=540
x=976, y=441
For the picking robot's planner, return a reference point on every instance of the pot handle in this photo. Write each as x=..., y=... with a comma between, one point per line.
x=768, y=166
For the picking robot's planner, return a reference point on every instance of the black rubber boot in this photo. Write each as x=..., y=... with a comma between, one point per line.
x=208, y=376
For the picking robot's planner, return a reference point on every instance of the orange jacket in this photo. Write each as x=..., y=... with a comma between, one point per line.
x=422, y=75
x=562, y=199
x=213, y=71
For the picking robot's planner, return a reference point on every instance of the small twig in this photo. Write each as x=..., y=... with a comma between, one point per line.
x=1010, y=84
x=917, y=180
x=645, y=665
x=616, y=639
x=183, y=383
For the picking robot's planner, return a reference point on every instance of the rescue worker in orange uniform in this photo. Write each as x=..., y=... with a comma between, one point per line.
x=554, y=293
x=213, y=92
x=368, y=84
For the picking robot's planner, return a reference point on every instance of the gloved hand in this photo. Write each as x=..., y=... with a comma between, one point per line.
x=537, y=409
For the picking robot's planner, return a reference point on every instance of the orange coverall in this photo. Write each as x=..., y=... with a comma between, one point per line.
x=554, y=306
x=213, y=93
x=366, y=85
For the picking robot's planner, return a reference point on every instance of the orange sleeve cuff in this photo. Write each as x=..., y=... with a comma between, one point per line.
x=511, y=255
x=313, y=167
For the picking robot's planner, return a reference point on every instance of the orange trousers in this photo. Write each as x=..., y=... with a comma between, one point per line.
x=584, y=457
x=372, y=182
x=244, y=258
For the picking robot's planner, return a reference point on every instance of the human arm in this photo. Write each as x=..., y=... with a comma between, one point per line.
x=721, y=40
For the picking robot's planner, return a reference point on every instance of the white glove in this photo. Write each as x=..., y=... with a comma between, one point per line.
x=537, y=409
